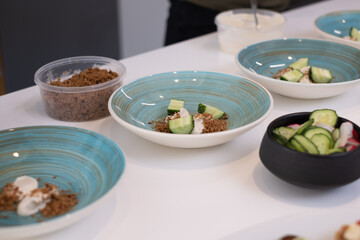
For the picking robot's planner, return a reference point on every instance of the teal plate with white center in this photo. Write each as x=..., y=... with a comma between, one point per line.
x=74, y=159
x=246, y=103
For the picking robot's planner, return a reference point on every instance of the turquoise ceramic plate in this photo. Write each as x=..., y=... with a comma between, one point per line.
x=336, y=25
x=144, y=100
x=82, y=161
x=262, y=60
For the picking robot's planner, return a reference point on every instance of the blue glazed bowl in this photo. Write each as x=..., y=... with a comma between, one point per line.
x=336, y=25
x=262, y=60
x=136, y=104
x=82, y=161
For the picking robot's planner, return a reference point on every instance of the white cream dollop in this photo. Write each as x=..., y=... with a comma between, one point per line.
x=305, y=70
x=305, y=79
x=184, y=113
x=198, y=125
x=31, y=204
x=25, y=185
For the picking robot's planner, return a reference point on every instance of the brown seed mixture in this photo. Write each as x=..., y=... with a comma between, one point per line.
x=281, y=72
x=9, y=197
x=215, y=125
x=60, y=201
x=88, y=77
x=160, y=126
x=83, y=106
x=210, y=125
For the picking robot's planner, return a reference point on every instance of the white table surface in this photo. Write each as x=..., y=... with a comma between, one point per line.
x=211, y=193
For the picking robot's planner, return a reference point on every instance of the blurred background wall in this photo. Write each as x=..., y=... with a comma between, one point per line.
x=142, y=25
x=33, y=33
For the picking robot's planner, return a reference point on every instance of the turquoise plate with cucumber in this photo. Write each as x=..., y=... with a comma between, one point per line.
x=336, y=64
x=312, y=155
x=339, y=26
x=245, y=102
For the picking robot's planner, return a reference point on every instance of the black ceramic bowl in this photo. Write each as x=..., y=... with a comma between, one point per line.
x=305, y=169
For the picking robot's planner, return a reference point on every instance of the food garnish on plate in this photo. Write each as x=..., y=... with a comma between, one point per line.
x=300, y=71
x=354, y=35
x=208, y=119
x=26, y=198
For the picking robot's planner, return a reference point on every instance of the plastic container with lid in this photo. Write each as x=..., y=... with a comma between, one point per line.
x=77, y=103
x=237, y=29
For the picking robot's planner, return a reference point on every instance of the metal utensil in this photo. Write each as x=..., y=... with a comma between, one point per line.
x=254, y=9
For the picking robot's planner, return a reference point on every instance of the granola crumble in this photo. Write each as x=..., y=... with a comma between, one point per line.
x=60, y=201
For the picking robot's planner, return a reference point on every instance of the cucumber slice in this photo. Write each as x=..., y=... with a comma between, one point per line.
x=335, y=150
x=355, y=34
x=215, y=112
x=174, y=106
x=326, y=116
x=322, y=142
x=182, y=125
x=304, y=127
x=297, y=146
x=317, y=130
x=308, y=145
x=337, y=143
x=279, y=138
x=336, y=134
x=286, y=132
x=292, y=76
x=290, y=145
x=276, y=131
x=320, y=75
x=299, y=64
